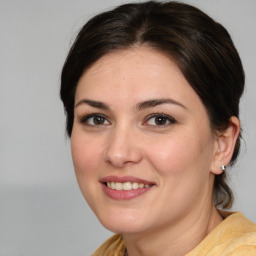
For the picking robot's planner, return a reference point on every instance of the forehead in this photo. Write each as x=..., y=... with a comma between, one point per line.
x=141, y=58
x=137, y=66
x=133, y=75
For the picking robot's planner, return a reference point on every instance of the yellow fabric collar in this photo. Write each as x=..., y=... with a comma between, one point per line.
x=234, y=236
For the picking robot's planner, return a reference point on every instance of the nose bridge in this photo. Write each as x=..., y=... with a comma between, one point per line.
x=122, y=148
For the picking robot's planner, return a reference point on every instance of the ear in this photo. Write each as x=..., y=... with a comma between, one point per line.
x=225, y=144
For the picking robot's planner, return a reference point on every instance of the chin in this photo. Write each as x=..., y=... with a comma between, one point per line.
x=123, y=223
x=123, y=228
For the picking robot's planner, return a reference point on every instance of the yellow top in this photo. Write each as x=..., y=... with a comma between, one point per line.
x=234, y=236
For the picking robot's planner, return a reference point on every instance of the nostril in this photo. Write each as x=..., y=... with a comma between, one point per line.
x=128, y=163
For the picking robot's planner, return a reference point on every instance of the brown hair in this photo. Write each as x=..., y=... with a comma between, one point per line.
x=201, y=47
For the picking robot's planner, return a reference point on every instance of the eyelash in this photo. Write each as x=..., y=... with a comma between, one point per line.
x=165, y=118
x=85, y=119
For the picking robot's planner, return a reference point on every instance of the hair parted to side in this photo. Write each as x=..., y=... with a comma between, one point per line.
x=201, y=47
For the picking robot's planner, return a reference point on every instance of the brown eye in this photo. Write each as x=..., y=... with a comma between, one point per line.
x=159, y=120
x=94, y=120
x=98, y=120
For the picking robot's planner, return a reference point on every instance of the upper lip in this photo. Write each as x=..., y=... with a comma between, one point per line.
x=123, y=179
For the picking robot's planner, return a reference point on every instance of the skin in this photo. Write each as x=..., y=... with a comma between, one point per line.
x=180, y=157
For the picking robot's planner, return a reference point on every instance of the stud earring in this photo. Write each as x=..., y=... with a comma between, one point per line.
x=223, y=168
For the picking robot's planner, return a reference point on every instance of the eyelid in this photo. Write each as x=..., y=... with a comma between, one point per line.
x=169, y=118
x=85, y=118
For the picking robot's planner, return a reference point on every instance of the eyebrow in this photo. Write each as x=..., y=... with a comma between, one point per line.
x=140, y=106
x=155, y=102
x=92, y=103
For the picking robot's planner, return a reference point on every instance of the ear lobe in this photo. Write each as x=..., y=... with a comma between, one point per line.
x=225, y=142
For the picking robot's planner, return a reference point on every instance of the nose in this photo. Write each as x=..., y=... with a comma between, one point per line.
x=122, y=149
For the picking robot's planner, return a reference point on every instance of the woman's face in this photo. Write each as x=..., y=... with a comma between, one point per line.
x=142, y=145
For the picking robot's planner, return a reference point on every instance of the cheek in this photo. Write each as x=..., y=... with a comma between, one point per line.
x=87, y=163
x=86, y=154
x=182, y=164
x=177, y=155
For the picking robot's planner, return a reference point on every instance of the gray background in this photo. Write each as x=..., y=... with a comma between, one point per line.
x=41, y=209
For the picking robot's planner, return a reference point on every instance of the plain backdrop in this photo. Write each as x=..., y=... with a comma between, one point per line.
x=42, y=212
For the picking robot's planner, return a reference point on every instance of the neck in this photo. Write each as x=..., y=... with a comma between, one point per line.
x=174, y=239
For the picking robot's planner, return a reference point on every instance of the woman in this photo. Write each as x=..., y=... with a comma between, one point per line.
x=151, y=92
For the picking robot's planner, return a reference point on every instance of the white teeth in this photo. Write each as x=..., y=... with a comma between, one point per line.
x=126, y=185
x=112, y=185
x=135, y=185
x=119, y=186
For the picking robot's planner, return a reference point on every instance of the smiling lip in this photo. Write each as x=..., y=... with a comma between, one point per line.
x=125, y=179
x=124, y=194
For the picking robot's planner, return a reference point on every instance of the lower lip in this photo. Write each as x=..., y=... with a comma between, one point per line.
x=124, y=194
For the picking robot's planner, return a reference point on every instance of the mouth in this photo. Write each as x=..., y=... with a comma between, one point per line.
x=124, y=188
x=126, y=185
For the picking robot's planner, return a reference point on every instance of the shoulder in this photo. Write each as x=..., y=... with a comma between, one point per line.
x=234, y=236
x=114, y=246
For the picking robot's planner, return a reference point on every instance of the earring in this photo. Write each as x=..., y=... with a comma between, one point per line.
x=223, y=168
